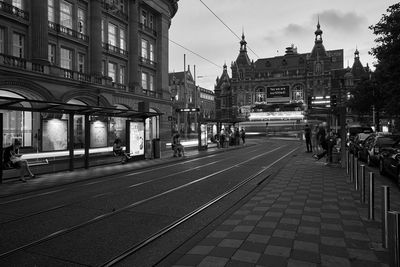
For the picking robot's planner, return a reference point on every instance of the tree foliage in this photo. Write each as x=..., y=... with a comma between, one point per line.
x=387, y=53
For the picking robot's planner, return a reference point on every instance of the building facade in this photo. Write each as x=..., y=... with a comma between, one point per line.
x=103, y=53
x=279, y=88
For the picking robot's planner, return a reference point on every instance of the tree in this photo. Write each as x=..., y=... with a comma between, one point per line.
x=387, y=53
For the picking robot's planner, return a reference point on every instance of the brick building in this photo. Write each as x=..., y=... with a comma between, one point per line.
x=278, y=88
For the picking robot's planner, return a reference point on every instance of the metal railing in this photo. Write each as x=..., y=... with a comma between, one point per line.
x=13, y=10
x=67, y=31
x=114, y=49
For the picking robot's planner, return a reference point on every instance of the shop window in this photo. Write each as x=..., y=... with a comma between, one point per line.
x=16, y=124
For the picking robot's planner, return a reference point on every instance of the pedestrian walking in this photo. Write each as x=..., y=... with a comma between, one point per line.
x=307, y=135
x=243, y=135
x=12, y=159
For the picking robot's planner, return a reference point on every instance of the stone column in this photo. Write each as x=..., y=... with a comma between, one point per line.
x=133, y=44
x=40, y=35
x=96, y=49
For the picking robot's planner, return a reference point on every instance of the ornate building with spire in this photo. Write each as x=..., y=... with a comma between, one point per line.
x=278, y=88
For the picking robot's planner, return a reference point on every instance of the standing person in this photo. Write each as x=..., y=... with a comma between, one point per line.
x=12, y=158
x=307, y=134
x=237, y=136
x=315, y=141
x=243, y=135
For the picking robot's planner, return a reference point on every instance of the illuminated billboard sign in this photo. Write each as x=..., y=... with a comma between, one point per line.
x=278, y=92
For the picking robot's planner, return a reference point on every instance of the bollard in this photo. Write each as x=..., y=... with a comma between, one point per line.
x=356, y=174
x=371, y=199
x=385, y=210
x=347, y=161
x=394, y=238
x=362, y=184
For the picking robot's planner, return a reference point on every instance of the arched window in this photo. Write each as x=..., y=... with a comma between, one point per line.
x=16, y=124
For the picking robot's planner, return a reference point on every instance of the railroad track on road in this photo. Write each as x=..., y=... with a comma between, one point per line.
x=134, y=248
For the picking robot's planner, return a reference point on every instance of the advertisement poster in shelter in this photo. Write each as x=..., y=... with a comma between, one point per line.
x=98, y=134
x=136, y=140
x=55, y=134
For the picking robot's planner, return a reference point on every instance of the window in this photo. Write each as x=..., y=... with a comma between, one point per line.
x=143, y=17
x=151, y=52
x=151, y=82
x=66, y=58
x=50, y=10
x=17, y=3
x=112, y=34
x=122, y=39
x=82, y=21
x=103, y=67
x=52, y=54
x=18, y=45
x=151, y=21
x=144, y=80
x=145, y=44
x=66, y=14
x=81, y=62
x=122, y=73
x=112, y=71
x=2, y=40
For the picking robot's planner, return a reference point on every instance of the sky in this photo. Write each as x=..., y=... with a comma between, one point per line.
x=269, y=27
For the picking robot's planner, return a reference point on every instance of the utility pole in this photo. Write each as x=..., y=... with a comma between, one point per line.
x=185, y=114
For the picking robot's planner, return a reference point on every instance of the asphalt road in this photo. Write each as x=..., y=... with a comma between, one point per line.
x=92, y=222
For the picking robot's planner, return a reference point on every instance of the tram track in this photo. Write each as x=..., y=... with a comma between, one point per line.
x=193, y=213
x=130, y=174
x=114, y=212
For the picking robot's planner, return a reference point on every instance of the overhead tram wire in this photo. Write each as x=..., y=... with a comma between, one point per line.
x=227, y=27
x=209, y=61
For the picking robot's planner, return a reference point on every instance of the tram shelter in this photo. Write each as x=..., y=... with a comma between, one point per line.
x=68, y=131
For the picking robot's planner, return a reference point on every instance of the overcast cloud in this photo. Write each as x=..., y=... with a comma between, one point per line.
x=269, y=27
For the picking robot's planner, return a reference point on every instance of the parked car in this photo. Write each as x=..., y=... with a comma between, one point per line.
x=389, y=161
x=358, y=141
x=353, y=131
x=373, y=145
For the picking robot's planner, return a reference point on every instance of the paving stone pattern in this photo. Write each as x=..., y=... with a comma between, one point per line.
x=308, y=215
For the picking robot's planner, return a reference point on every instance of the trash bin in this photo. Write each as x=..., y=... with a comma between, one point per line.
x=156, y=148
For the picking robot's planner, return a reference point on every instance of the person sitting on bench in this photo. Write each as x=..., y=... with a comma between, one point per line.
x=118, y=151
x=177, y=147
x=12, y=159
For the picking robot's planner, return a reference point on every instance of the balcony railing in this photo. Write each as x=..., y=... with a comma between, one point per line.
x=10, y=9
x=147, y=29
x=21, y=64
x=114, y=49
x=147, y=61
x=67, y=31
